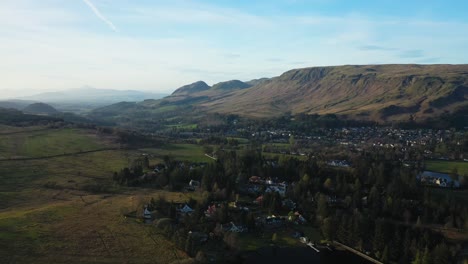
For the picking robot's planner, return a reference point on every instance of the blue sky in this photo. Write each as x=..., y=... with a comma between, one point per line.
x=50, y=45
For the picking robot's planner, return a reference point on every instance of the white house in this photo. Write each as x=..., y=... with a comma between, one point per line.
x=146, y=213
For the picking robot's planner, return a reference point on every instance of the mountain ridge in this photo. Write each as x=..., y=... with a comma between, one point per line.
x=92, y=95
x=383, y=93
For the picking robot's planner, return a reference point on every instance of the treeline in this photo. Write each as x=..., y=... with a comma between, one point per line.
x=14, y=117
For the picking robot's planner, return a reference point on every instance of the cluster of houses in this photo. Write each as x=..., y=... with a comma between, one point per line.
x=437, y=179
x=257, y=184
x=361, y=137
x=339, y=163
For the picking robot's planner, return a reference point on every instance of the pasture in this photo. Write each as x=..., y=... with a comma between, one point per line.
x=67, y=208
x=447, y=166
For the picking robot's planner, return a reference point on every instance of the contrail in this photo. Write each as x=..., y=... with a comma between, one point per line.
x=100, y=16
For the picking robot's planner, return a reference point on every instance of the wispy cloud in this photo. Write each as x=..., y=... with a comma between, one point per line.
x=100, y=16
x=375, y=47
x=415, y=53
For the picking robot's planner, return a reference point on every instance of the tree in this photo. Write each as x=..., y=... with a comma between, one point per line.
x=232, y=240
x=328, y=228
x=379, y=236
x=274, y=238
x=201, y=257
x=322, y=206
x=417, y=258
x=384, y=257
x=328, y=184
x=292, y=142
x=442, y=254
x=208, y=149
x=426, y=257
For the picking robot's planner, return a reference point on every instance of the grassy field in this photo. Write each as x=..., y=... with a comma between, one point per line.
x=254, y=242
x=49, y=215
x=188, y=152
x=447, y=166
x=47, y=142
x=183, y=126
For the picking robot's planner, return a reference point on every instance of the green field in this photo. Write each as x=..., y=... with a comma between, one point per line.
x=183, y=126
x=188, y=152
x=67, y=209
x=447, y=166
x=47, y=142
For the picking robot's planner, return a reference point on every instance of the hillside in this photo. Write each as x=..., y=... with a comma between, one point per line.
x=383, y=93
x=59, y=203
x=378, y=92
x=15, y=117
x=15, y=104
x=40, y=108
x=231, y=85
x=192, y=88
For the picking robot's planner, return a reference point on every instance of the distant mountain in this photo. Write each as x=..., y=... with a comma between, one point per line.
x=40, y=108
x=15, y=104
x=230, y=85
x=93, y=96
x=192, y=88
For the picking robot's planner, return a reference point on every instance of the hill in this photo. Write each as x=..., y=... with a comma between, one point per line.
x=231, y=85
x=17, y=118
x=382, y=93
x=377, y=92
x=84, y=99
x=15, y=104
x=192, y=88
x=40, y=108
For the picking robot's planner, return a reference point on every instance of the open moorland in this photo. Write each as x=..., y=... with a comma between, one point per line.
x=58, y=203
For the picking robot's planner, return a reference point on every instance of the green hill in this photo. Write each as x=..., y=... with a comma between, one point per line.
x=40, y=108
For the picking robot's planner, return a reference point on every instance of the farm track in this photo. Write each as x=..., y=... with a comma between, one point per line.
x=24, y=132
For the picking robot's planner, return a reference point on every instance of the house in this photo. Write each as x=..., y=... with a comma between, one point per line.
x=255, y=179
x=159, y=168
x=231, y=227
x=210, y=211
x=146, y=213
x=194, y=184
x=279, y=188
x=437, y=179
x=186, y=209
x=259, y=200
x=274, y=221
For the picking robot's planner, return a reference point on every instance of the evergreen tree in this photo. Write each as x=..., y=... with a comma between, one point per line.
x=384, y=257
x=426, y=257
x=417, y=258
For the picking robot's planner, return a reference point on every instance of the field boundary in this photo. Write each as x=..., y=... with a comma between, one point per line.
x=61, y=155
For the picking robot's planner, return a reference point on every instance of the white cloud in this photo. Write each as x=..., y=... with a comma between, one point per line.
x=100, y=16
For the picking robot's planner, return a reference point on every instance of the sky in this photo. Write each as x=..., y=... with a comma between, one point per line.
x=151, y=45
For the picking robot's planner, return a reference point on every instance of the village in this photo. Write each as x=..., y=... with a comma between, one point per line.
x=322, y=190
